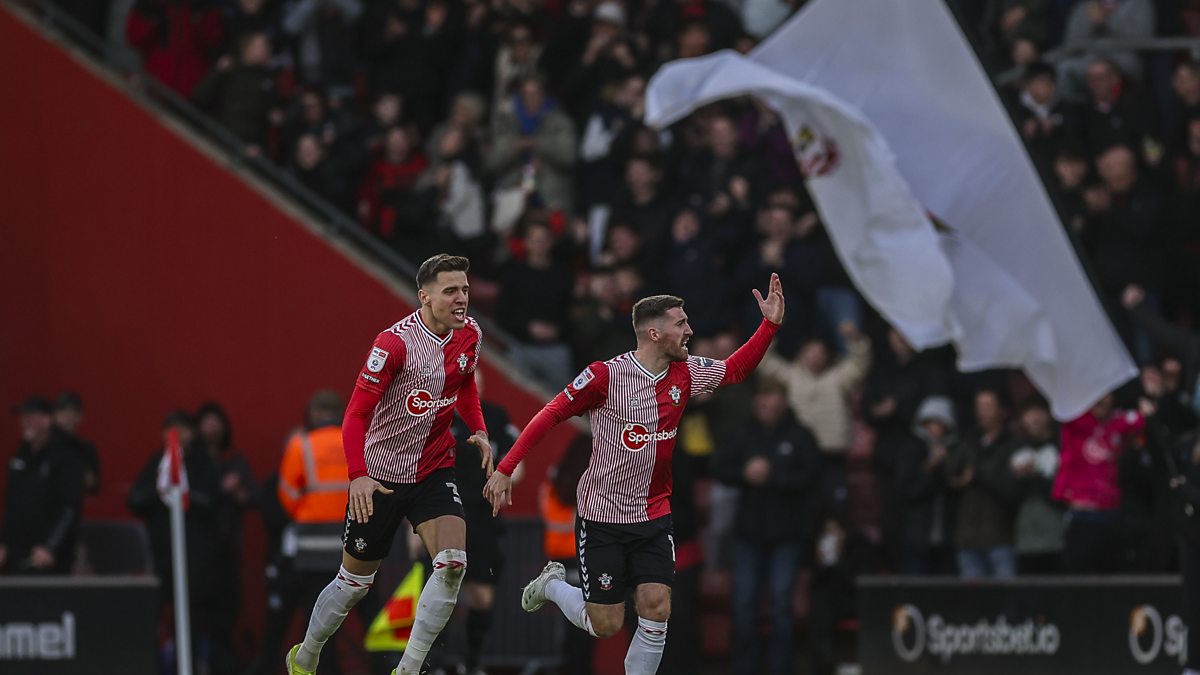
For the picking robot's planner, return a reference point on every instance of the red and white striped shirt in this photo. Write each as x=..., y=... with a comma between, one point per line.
x=634, y=417
x=411, y=384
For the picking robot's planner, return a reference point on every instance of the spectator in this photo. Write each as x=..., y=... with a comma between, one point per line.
x=1185, y=102
x=1123, y=235
x=43, y=496
x=1182, y=345
x=609, y=57
x=668, y=20
x=245, y=17
x=323, y=34
x=466, y=116
x=316, y=171
x=534, y=302
x=775, y=461
x=484, y=531
x=238, y=492
x=408, y=48
x=818, y=393
x=1066, y=188
x=516, y=61
x=898, y=383
x=1040, y=116
x=177, y=39
x=455, y=184
x=1091, y=19
x=599, y=326
x=533, y=148
x=978, y=469
x=1088, y=483
x=68, y=415
x=1018, y=29
x=202, y=533
x=722, y=176
x=644, y=204
x=1039, y=520
x=241, y=95
x=1115, y=113
x=926, y=504
x=388, y=201
x=609, y=126
x=688, y=266
x=313, y=114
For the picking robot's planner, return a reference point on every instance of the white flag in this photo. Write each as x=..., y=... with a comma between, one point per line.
x=1017, y=295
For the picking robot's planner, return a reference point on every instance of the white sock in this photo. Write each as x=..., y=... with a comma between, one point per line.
x=434, y=608
x=570, y=600
x=328, y=613
x=646, y=649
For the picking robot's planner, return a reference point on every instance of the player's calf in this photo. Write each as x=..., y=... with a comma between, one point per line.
x=605, y=620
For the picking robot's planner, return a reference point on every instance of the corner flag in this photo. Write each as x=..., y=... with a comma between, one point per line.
x=390, y=630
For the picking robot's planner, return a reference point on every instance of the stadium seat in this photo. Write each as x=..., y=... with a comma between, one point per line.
x=112, y=547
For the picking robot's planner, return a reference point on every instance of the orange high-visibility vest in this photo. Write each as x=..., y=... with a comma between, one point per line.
x=313, y=476
x=559, y=539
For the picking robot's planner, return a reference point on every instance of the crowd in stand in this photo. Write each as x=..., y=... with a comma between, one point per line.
x=510, y=131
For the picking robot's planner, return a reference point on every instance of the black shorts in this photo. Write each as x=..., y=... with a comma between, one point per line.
x=483, y=545
x=615, y=558
x=435, y=496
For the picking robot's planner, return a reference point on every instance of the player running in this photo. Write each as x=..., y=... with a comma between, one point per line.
x=400, y=456
x=623, y=530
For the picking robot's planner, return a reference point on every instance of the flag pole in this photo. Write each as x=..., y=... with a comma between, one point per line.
x=183, y=633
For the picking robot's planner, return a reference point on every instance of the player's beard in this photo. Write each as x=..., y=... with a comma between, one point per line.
x=678, y=352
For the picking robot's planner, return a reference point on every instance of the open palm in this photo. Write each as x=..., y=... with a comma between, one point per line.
x=772, y=305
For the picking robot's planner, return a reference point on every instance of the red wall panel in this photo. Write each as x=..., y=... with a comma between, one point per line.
x=136, y=270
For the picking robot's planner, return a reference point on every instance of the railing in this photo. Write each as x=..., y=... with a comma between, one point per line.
x=1107, y=45
x=120, y=61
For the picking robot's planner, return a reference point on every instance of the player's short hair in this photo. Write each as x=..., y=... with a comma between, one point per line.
x=653, y=307
x=442, y=262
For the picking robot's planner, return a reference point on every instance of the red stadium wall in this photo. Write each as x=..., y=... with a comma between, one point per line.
x=139, y=272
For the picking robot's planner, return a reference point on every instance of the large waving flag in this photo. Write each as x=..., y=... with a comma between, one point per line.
x=888, y=108
x=389, y=632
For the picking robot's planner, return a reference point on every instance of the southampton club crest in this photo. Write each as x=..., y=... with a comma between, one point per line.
x=360, y=545
x=605, y=580
x=675, y=393
x=462, y=363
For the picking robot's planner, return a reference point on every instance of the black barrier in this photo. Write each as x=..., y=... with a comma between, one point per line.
x=1029, y=625
x=72, y=625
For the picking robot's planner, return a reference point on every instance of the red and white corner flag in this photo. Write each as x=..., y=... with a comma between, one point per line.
x=171, y=471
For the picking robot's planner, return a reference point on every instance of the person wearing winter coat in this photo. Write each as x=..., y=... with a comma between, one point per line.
x=978, y=469
x=926, y=504
x=1039, y=537
x=534, y=147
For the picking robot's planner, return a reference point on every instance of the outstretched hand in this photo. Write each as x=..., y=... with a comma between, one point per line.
x=498, y=491
x=772, y=305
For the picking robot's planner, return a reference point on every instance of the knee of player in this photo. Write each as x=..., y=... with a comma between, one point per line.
x=451, y=564
x=606, y=624
x=656, y=607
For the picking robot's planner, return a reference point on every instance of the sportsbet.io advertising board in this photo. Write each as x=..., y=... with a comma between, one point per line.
x=1032, y=626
